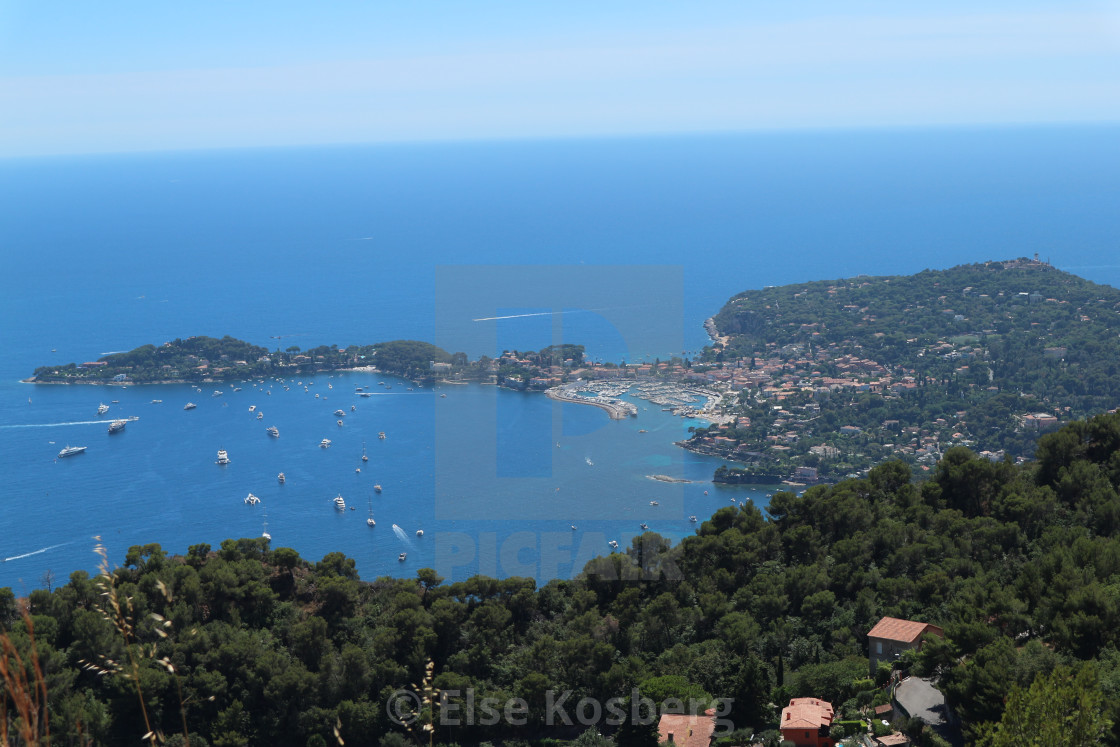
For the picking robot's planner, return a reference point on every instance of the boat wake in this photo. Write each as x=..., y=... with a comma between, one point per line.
x=37, y=552
x=403, y=537
x=55, y=425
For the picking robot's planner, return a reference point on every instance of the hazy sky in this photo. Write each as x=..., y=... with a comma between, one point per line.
x=84, y=77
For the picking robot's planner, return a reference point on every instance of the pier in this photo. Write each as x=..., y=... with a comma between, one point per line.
x=616, y=409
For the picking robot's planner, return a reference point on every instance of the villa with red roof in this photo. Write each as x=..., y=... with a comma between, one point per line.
x=891, y=636
x=684, y=730
x=806, y=722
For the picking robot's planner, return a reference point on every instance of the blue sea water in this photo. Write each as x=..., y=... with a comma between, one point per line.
x=634, y=241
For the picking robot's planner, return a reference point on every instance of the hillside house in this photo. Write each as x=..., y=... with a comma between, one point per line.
x=685, y=730
x=891, y=636
x=806, y=722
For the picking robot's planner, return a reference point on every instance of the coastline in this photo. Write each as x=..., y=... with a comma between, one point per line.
x=616, y=410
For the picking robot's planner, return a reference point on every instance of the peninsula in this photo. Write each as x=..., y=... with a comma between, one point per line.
x=822, y=380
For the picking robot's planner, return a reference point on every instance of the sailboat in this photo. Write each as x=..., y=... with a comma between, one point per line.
x=265, y=533
x=364, y=457
x=370, y=520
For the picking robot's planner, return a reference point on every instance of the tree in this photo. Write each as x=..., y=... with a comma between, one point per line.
x=1064, y=707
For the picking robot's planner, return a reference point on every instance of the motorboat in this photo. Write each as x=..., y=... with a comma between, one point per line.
x=339, y=413
x=381, y=435
x=419, y=532
x=325, y=443
x=339, y=503
x=260, y=416
x=339, y=422
x=402, y=556
x=71, y=451
x=692, y=519
x=654, y=503
x=102, y=408
x=223, y=457
x=252, y=408
x=613, y=544
x=377, y=488
x=644, y=526
x=189, y=406
x=252, y=500
x=273, y=431
x=280, y=478
x=116, y=426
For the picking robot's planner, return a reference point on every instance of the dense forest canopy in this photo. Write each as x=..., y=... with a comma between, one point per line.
x=252, y=645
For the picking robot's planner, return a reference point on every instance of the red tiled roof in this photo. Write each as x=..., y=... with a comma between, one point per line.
x=686, y=730
x=892, y=740
x=907, y=631
x=806, y=713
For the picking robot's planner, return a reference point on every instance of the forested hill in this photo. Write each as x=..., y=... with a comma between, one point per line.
x=253, y=645
x=201, y=358
x=981, y=346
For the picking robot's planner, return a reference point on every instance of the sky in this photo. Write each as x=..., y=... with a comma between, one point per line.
x=125, y=75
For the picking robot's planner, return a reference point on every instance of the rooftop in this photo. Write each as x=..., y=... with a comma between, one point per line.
x=907, y=631
x=806, y=713
x=685, y=730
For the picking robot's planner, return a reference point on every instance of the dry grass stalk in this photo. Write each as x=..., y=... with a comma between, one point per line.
x=28, y=695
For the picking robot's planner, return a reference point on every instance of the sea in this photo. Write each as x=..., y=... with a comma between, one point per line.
x=624, y=245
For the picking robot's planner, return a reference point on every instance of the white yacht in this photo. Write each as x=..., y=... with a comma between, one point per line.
x=117, y=426
x=339, y=413
x=339, y=503
x=102, y=408
x=223, y=457
x=326, y=442
x=381, y=435
x=339, y=422
x=252, y=500
x=252, y=408
x=71, y=451
x=419, y=532
x=613, y=544
x=260, y=416
x=402, y=556
x=692, y=519
x=654, y=503
x=377, y=487
x=189, y=406
x=273, y=431
x=280, y=478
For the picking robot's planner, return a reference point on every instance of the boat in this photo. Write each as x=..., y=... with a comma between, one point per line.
x=237, y=389
x=381, y=435
x=265, y=533
x=692, y=519
x=589, y=462
x=71, y=451
x=273, y=431
x=102, y=408
x=223, y=457
x=330, y=386
x=252, y=408
x=357, y=389
x=443, y=396
x=280, y=477
x=365, y=394
x=377, y=487
x=339, y=503
x=252, y=500
x=370, y=522
x=189, y=406
x=216, y=393
x=339, y=422
x=339, y=413
x=654, y=503
x=365, y=458
x=419, y=532
x=402, y=556
x=116, y=426
x=353, y=409
x=324, y=443
x=644, y=526
x=613, y=544
x=157, y=401
x=260, y=416
x=573, y=527
x=358, y=470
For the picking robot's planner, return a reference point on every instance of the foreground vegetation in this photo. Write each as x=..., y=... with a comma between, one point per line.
x=250, y=645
